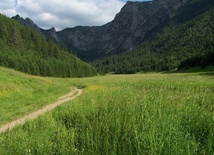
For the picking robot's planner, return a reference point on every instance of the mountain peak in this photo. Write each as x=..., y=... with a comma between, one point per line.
x=17, y=16
x=53, y=29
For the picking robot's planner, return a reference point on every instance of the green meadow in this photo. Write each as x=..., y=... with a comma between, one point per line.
x=154, y=113
x=21, y=93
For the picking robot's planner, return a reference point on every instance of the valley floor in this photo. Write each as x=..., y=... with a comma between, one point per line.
x=155, y=113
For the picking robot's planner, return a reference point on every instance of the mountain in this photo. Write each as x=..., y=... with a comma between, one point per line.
x=156, y=35
x=126, y=31
x=28, y=51
x=183, y=41
x=48, y=34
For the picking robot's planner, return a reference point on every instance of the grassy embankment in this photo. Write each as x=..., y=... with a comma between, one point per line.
x=125, y=114
x=21, y=93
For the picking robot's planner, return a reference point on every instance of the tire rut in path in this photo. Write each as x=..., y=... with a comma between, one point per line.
x=73, y=94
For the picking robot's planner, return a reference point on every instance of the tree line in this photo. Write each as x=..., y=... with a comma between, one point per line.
x=202, y=61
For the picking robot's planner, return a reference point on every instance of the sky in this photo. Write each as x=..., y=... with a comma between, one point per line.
x=64, y=13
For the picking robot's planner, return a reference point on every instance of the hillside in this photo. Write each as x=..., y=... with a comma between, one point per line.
x=25, y=50
x=188, y=34
x=144, y=36
x=21, y=93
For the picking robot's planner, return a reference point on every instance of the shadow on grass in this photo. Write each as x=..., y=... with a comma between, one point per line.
x=207, y=74
x=205, y=71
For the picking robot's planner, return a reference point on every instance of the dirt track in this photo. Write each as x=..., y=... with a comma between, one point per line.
x=73, y=94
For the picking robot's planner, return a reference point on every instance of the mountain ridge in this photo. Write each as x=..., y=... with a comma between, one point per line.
x=124, y=32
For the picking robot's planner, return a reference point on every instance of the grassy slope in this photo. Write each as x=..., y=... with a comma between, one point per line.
x=21, y=93
x=125, y=114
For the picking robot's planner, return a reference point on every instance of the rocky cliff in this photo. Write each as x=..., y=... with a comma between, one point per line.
x=126, y=31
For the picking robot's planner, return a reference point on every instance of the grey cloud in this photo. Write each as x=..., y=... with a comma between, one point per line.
x=64, y=13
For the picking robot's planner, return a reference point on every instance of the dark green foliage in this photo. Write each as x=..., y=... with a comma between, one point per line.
x=25, y=50
x=189, y=34
x=195, y=61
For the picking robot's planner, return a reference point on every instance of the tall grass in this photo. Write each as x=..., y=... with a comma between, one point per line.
x=136, y=114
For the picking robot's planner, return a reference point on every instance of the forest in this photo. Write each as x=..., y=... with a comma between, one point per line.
x=25, y=50
x=175, y=44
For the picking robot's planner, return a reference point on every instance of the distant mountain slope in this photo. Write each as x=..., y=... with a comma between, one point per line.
x=125, y=32
x=48, y=34
x=188, y=34
x=144, y=36
x=25, y=50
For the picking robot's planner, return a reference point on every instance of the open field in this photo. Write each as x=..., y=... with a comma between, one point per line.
x=120, y=114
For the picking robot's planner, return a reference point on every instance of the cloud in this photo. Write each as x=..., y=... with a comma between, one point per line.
x=7, y=7
x=63, y=13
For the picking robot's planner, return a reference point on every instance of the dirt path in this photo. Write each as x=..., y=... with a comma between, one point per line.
x=73, y=94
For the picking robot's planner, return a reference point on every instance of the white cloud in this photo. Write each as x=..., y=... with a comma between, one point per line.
x=63, y=13
x=7, y=7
